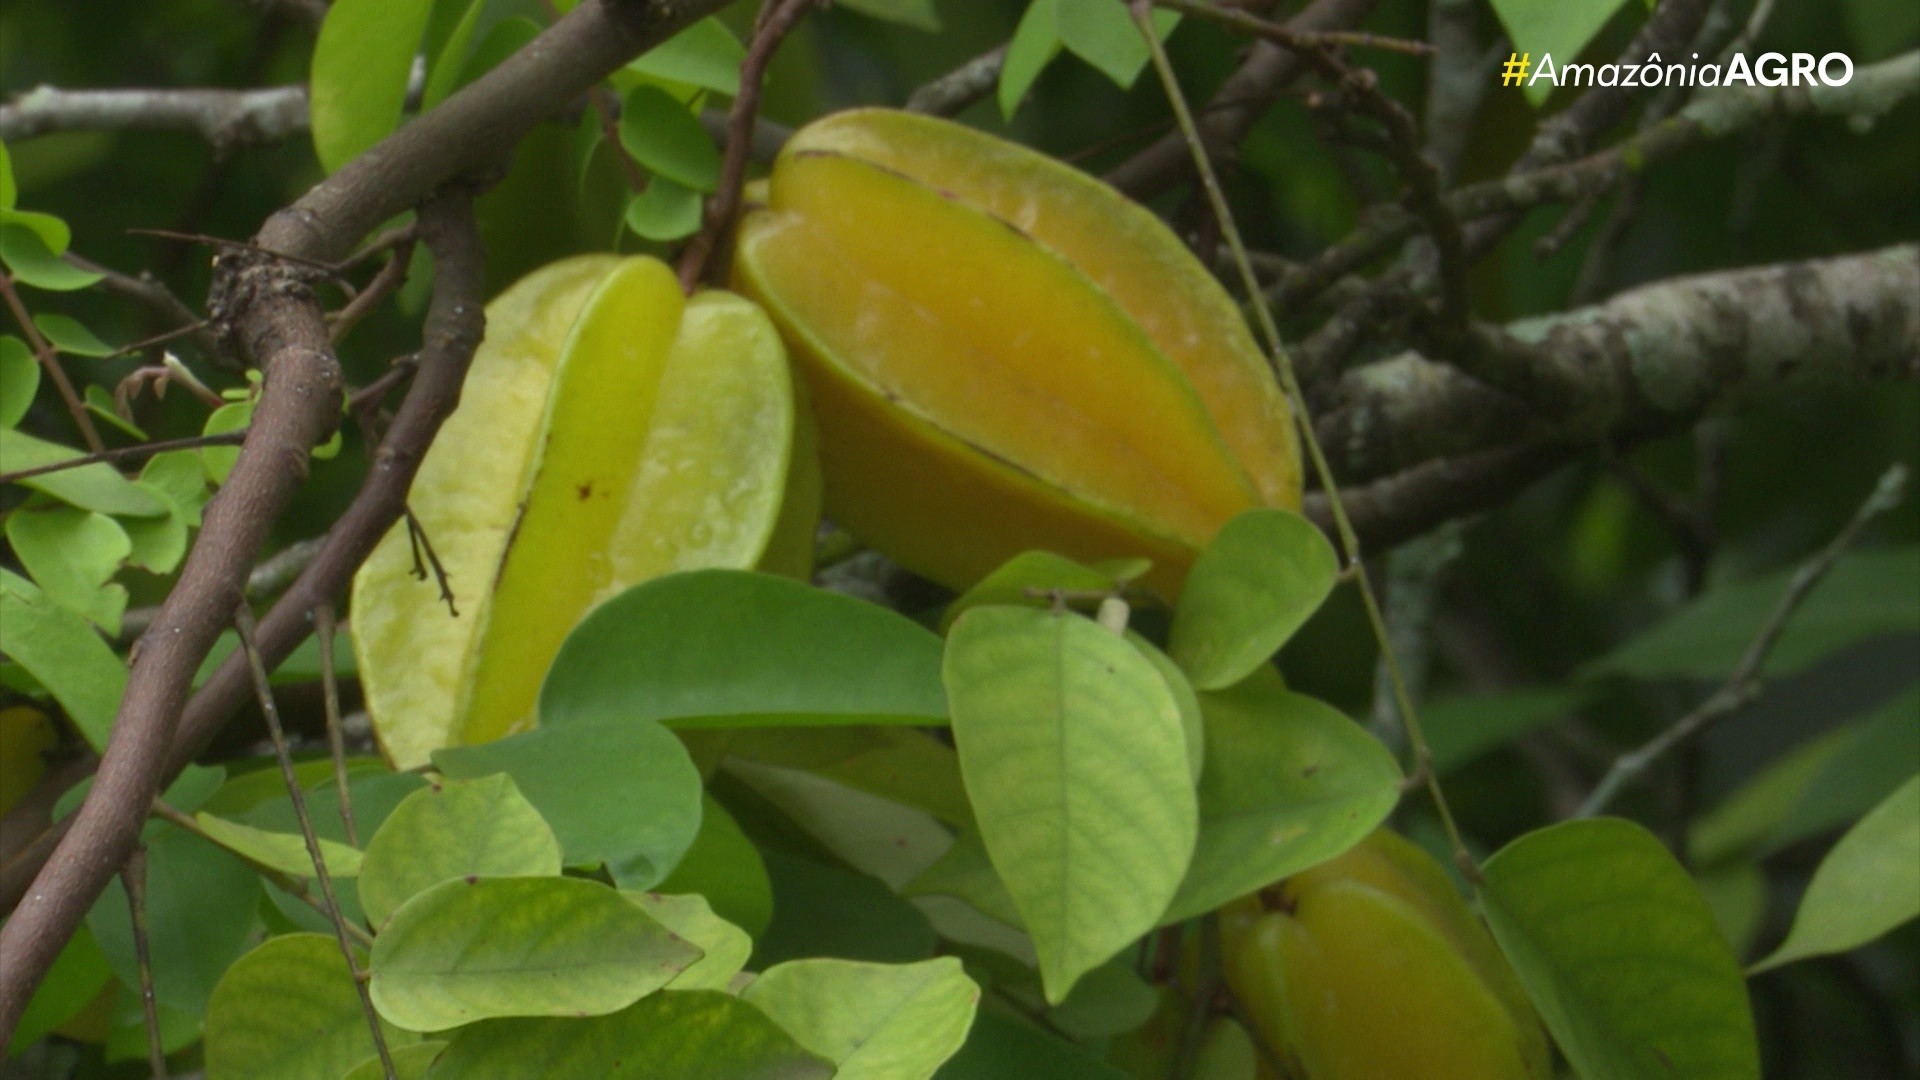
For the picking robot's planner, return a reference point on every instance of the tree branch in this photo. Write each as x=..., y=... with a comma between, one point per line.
x=1646, y=362
x=226, y=119
x=263, y=303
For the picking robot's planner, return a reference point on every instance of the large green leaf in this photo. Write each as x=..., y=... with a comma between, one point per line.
x=724, y=867
x=282, y=851
x=999, y=1048
x=965, y=872
x=1103, y=34
x=1071, y=748
x=873, y=835
x=73, y=555
x=64, y=654
x=906, y=765
x=623, y=794
x=201, y=912
x=1621, y=954
x=826, y=911
x=288, y=1010
x=1867, y=885
x=726, y=648
x=873, y=1021
x=1035, y=42
x=361, y=63
x=724, y=947
x=35, y=261
x=1865, y=595
x=483, y=827
x=1289, y=783
x=478, y=948
x=19, y=380
x=1882, y=752
x=410, y=1062
x=1249, y=590
x=685, y=1035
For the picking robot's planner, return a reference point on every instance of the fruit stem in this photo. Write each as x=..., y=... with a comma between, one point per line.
x=1142, y=11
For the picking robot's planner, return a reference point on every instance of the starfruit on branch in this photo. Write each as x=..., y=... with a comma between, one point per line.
x=611, y=430
x=1005, y=354
x=1371, y=966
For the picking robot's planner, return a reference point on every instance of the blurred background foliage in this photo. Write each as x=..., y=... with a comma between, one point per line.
x=1540, y=589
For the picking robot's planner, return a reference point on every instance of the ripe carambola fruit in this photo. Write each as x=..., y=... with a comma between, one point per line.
x=1371, y=967
x=610, y=430
x=1006, y=354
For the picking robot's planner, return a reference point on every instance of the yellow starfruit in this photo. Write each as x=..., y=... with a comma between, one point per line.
x=1005, y=354
x=1371, y=966
x=611, y=430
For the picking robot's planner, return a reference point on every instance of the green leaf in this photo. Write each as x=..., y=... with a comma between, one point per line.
x=410, y=1062
x=729, y=648
x=288, y=1010
x=1102, y=33
x=449, y=63
x=176, y=476
x=73, y=554
x=825, y=911
x=282, y=851
x=873, y=1021
x=705, y=55
x=99, y=401
x=1462, y=727
x=95, y=486
x=724, y=947
x=9, y=191
x=965, y=872
x=70, y=335
x=201, y=913
x=999, y=1048
x=219, y=460
x=19, y=380
x=506, y=37
x=1111, y=1000
x=872, y=835
x=1036, y=41
x=482, y=827
x=1881, y=753
x=623, y=793
x=1290, y=782
x=477, y=948
x=361, y=63
x=159, y=543
x=919, y=14
x=1867, y=885
x=1071, y=748
x=664, y=212
x=1867, y=594
x=666, y=137
x=724, y=867
x=1560, y=28
x=77, y=976
x=1621, y=954
x=34, y=260
x=64, y=654
x=1192, y=725
x=908, y=765
x=690, y=1035
x=1249, y=590
x=1015, y=580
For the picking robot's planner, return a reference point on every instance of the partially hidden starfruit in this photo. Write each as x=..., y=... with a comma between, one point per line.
x=1371, y=967
x=1006, y=354
x=610, y=430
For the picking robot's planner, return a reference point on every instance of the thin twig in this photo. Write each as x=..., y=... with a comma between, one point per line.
x=49, y=359
x=392, y=275
x=961, y=87
x=134, y=877
x=323, y=628
x=244, y=626
x=128, y=453
x=1745, y=685
x=1283, y=363
x=1287, y=37
x=706, y=255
